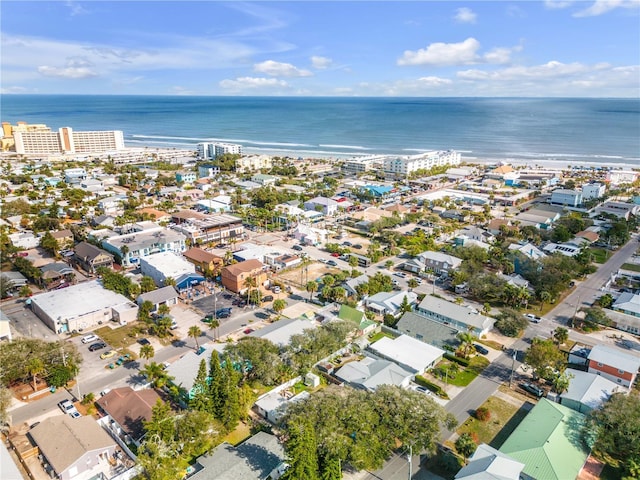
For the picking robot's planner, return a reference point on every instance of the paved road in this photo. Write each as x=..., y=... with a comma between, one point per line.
x=587, y=291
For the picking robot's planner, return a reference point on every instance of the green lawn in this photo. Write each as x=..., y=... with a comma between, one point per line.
x=378, y=336
x=599, y=255
x=466, y=375
x=120, y=337
x=505, y=417
x=631, y=266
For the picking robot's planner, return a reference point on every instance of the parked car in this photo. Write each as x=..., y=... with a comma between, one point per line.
x=347, y=244
x=90, y=338
x=66, y=405
x=422, y=389
x=357, y=246
x=109, y=354
x=174, y=325
x=533, y=318
x=267, y=298
x=247, y=331
x=400, y=274
x=480, y=349
x=144, y=341
x=97, y=346
x=276, y=289
x=297, y=247
x=335, y=254
x=332, y=263
x=532, y=389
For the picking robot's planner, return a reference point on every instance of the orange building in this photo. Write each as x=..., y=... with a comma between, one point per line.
x=234, y=276
x=203, y=260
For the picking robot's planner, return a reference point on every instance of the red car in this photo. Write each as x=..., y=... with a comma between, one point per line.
x=248, y=330
x=335, y=254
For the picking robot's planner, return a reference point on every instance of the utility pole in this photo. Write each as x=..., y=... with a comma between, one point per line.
x=409, y=460
x=513, y=366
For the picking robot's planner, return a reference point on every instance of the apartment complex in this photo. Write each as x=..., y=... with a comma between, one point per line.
x=65, y=140
x=202, y=228
x=406, y=165
x=211, y=150
x=254, y=162
x=363, y=164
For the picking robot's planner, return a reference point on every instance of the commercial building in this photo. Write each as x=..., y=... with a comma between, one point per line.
x=202, y=228
x=82, y=306
x=593, y=190
x=405, y=165
x=363, y=164
x=167, y=265
x=234, y=276
x=563, y=196
x=65, y=140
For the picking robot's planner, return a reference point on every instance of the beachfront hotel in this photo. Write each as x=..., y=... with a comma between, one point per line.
x=406, y=165
x=209, y=151
x=39, y=139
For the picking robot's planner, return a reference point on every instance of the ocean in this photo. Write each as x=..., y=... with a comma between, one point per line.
x=529, y=130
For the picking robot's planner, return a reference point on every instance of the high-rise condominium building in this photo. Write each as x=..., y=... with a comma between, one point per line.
x=65, y=140
x=406, y=165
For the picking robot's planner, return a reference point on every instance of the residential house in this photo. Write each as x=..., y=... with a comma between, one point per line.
x=621, y=210
x=458, y=215
x=186, y=177
x=234, y=276
x=457, y=316
x=24, y=240
x=282, y=261
x=495, y=226
x=357, y=317
x=126, y=410
x=57, y=272
x=326, y=205
x=409, y=353
x=264, y=180
x=280, y=332
x=369, y=373
x=219, y=204
x=5, y=327
x=593, y=190
x=167, y=265
x=428, y=331
x=155, y=214
x=351, y=285
x=162, y=296
x=204, y=261
x=112, y=205
x=566, y=249
x=184, y=370
x=478, y=234
x=90, y=258
x=389, y=303
x=538, y=217
x=73, y=447
x=619, y=367
x=628, y=303
x=208, y=170
x=587, y=391
x=529, y=250
x=310, y=235
x=439, y=262
x=64, y=238
x=259, y=457
x=547, y=441
x=487, y=463
x=273, y=404
x=13, y=280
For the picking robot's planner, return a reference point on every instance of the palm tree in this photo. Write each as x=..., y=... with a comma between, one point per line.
x=250, y=283
x=466, y=343
x=195, y=332
x=147, y=352
x=156, y=374
x=312, y=286
x=412, y=283
x=279, y=305
x=169, y=281
x=213, y=325
x=35, y=367
x=545, y=297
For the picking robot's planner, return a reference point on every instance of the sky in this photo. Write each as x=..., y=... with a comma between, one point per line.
x=553, y=48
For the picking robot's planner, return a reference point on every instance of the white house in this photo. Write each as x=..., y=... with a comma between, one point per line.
x=409, y=353
x=328, y=206
x=563, y=196
x=593, y=190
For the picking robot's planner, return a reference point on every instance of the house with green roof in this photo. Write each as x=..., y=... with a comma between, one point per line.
x=358, y=317
x=549, y=443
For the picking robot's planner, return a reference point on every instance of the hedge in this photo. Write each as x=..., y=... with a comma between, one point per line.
x=462, y=361
x=437, y=389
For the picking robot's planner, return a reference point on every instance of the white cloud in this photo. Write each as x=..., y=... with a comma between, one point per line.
x=462, y=53
x=321, y=63
x=76, y=9
x=16, y=89
x=244, y=83
x=465, y=15
x=278, y=69
x=434, y=81
x=67, y=72
x=557, y=4
x=600, y=7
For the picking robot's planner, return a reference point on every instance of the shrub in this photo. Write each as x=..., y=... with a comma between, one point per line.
x=461, y=361
x=483, y=414
x=466, y=445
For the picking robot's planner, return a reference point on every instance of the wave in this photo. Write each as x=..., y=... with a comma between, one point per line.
x=214, y=139
x=299, y=151
x=159, y=143
x=348, y=147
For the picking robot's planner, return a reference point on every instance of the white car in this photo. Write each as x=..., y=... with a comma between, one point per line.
x=533, y=318
x=90, y=338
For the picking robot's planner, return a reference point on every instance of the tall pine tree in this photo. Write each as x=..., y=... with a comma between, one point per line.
x=301, y=452
x=330, y=468
x=230, y=395
x=201, y=400
x=215, y=385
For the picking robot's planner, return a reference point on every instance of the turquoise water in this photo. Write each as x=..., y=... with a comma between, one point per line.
x=575, y=130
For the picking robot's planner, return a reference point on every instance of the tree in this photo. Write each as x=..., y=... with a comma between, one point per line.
x=195, y=332
x=330, y=468
x=301, y=450
x=511, y=323
x=147, y=284
x=215, y=384
x=250, y=283
x=595, y=316
x=267, y=367
x=466, y=343
x=214, y=324
x=545, y=358
x=156, y=374
x=412, y=283
x=49, y=243
x=353, y=262
x=466, y=445
x=201, y=399
x=147, y=351
x=229, y=395
x=5, y=402
x=311, y=287
x=614, y=431
x=279, y=305
x=561, y=335
x=35, y=367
